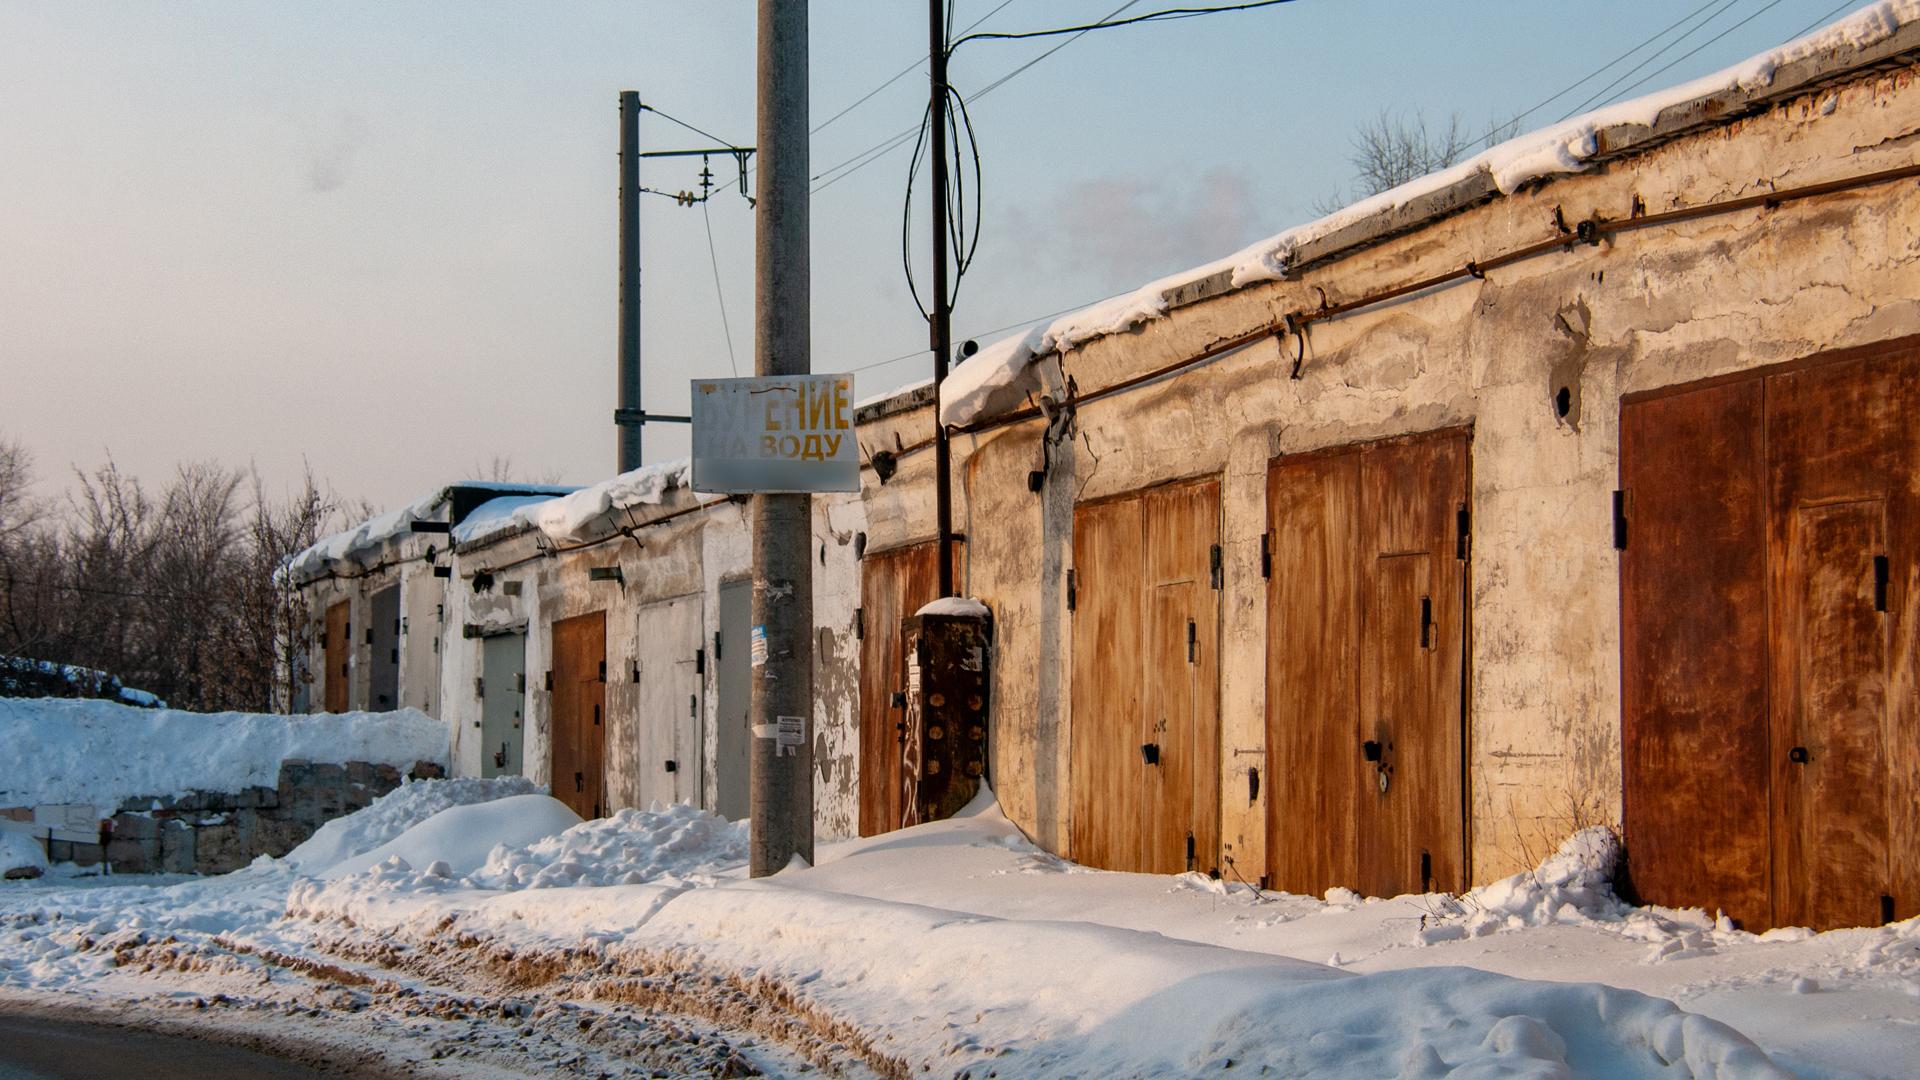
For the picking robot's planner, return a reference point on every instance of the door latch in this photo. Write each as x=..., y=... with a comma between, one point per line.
x=672, y=765
x=1798, y=755
x=1370, y=750
x=1150, y=753
x=579, y=781
x=500, y=757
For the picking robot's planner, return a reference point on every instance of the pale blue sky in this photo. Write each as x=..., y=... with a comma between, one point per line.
x=382, y=236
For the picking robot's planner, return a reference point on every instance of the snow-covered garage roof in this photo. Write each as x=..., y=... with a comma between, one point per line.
x=1001, y=375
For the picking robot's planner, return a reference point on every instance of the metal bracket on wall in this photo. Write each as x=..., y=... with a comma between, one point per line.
x=1266, y=555
x=1619, y=521
x=1213, y=566
x=1073, y=592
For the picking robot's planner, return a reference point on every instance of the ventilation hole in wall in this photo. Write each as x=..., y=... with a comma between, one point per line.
x=1563, y=402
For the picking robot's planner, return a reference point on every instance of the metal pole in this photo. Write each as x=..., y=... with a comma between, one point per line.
x=782, y=791
x=942, y=314
x=627, y=432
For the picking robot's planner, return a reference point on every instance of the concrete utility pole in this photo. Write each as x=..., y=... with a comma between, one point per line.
x=782, y=810
x=942, y=322
x=628, y=431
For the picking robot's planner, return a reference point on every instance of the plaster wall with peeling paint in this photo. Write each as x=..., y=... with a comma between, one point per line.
x=523, y=586
x=1644, y=308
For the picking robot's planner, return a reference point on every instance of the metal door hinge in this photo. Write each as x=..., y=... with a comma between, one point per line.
x=1881, y=571
x=1266, y=555
x=1620, y=521
x=1463, y=532
x=520, y=681
x=1426, y=622
x=1189, y=853
x=479, y=686
x=859, y=624
x=1073, y=591
x=693, y=704
x=549, y=678
x=369, y=635
x=603, y=671
x=1214, y=572
x=1193, y=641
x=716, y=646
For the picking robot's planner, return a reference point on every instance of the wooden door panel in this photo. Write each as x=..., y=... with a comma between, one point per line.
x=1172, y=692
x=338, y=648
x=1313, y=756
x=1694, y=655
x=1182, y=527
x=1366, y=652
x=1830, y=753
x=893, y=585
x=1107, y=727
x=1394, y=704
x=578, y=724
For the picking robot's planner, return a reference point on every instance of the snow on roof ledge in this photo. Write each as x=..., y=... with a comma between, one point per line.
x=1001, y=375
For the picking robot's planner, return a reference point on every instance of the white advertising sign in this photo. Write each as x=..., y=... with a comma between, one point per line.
x=776, y=434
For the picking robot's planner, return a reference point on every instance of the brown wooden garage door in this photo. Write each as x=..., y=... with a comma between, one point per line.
x=893, y=585
x=337, y=645
x=1365, y=659
x=578, y=727
x=1146, y=698
x=1768, y=718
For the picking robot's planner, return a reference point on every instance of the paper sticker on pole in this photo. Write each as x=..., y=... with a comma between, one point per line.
x=774, y=434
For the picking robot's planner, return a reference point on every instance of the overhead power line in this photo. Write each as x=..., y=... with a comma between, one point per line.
x=1109, y=23
x=901, y=74
x=1819, y=22
x=831, y=176
x=1694, y=52
x=1601, y=93
x=1489, y=137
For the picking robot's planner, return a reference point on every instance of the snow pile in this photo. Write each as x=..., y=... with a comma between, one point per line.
x=631, y=847
x=496, y=518
x=392, y=814
x=24, y=677
x=372, y=533
x=570, y=516
x=462, y=837
x=102, y=753
x=956, y=605
x=1001, y=373
x=1573, y=885
x=20, y=855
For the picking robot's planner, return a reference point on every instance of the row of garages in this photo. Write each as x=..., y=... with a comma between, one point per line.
x=1501, y=511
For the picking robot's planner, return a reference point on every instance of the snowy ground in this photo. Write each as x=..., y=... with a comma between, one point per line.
x=633, y=945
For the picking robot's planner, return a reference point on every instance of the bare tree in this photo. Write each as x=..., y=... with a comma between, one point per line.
x=1393, y=148
x=276, y=616
x=500, y=468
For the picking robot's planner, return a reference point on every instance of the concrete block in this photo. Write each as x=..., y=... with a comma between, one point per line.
x=129, y=856
x=255, y=798
x=177, y=848
x=221, y=849
x=135, y=826
x=276, y=837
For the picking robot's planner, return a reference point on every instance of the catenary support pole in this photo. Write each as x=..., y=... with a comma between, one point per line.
x=627, y=432
x=942, y=322
x=782, y=788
